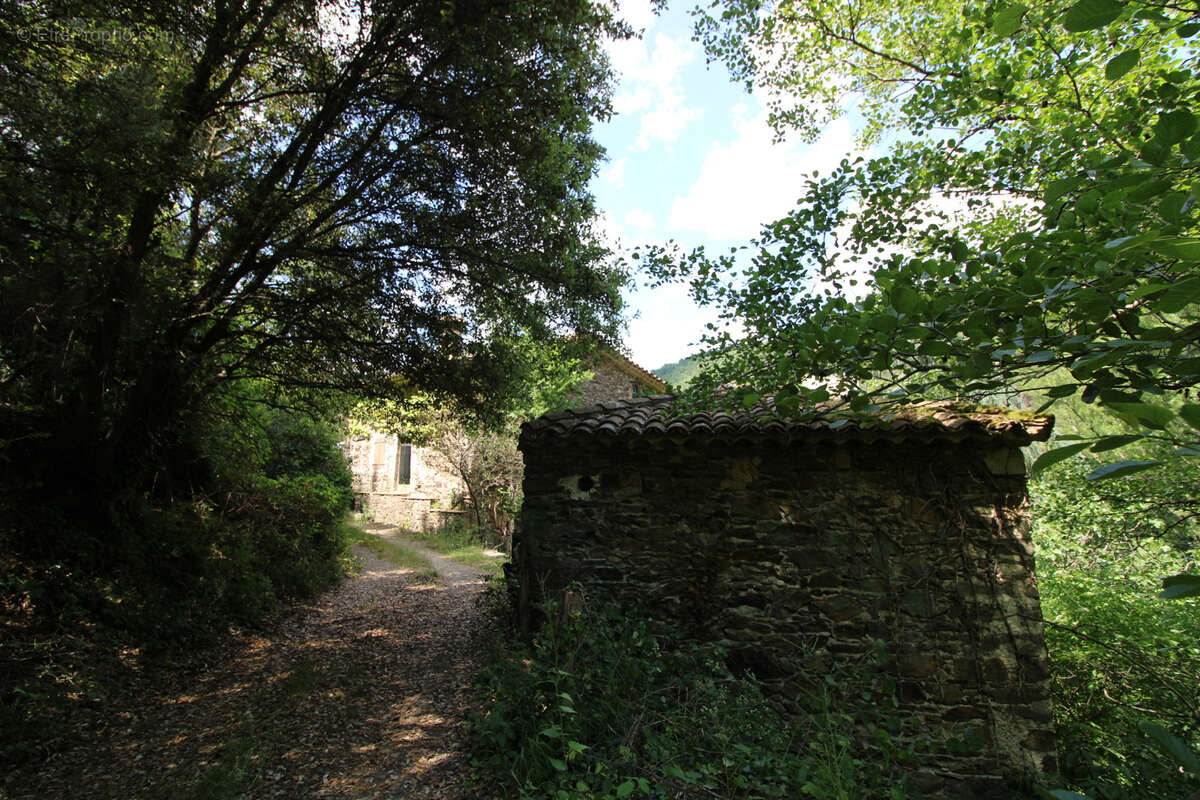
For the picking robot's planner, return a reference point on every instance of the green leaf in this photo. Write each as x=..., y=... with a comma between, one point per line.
x=1190, y=412
x=1174, y=126
x=906, y=300
x=1178, y=586
x=1149, y=415
x=1185, y=248
x=1058, y=188
x=1106, y=443
x=1120, y=469
x=1087, y=15
x=1052, y=457
x=1173, y=746
x=626, y=788
x=1060, y=794
x=561, y=766
x=1177, y=297
x=1120, y=64
x=1007, y=20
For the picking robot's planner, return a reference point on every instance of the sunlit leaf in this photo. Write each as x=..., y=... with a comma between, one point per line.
x=1151, y=416
x=1007, y=20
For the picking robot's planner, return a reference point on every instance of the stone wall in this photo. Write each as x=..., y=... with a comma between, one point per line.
x=608, y=382
x=795, y=557
x=373, y=469
x=408, y=511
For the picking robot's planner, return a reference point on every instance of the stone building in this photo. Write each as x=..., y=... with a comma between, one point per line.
x=403, y=484
x=406, y=484
x=802, y=547
x=615, y=377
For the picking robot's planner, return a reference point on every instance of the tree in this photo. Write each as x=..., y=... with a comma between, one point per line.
x=1061, y=134
x=483, y=451
x=1034, y=228
x=313, y=196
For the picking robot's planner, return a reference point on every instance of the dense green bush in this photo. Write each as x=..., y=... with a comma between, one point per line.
x=603, y=704
x=1121, y=657
x=85, y=599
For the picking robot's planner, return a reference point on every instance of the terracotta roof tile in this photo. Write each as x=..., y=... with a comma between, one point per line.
x=656, y=416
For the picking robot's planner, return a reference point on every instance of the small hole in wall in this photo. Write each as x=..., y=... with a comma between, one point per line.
x=586, y=483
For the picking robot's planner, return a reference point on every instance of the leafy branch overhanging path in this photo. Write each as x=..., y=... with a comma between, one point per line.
x=362, y=695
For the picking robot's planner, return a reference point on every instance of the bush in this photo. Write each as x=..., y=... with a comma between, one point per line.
x=83, y=601
x=605, y=704
x=1121, y=657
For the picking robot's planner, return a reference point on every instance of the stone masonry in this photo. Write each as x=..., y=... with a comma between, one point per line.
x=800, y=547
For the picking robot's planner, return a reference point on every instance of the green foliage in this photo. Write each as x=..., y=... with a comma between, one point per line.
x=1034, y=226
x=394, y=552
x=464, y=543
x=1120, y=656
x=159, y=580
x=679, y=373
x=242, y=196
x=604, y=704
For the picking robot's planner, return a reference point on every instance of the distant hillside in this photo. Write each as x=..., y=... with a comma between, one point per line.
x=681, y=372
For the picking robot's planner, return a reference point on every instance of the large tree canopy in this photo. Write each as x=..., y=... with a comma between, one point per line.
x=1033, y=224
x=320, y=195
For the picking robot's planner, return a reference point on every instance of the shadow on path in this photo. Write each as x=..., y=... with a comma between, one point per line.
x=364, y=694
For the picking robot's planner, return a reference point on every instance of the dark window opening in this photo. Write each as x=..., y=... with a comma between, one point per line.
x=404, y=464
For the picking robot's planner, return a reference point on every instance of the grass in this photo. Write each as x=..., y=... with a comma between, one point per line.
x=393, y=553
x=463, y=544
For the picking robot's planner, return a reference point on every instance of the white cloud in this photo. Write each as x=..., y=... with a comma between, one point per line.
x=607, y=230
x=651, y=84
x=639, y=220
x=638, y=13
x=634, y=100
x=668, y=327
x=753, y=180
x=615, y=174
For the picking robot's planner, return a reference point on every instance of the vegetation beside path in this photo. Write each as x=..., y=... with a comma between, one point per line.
x=361, y=694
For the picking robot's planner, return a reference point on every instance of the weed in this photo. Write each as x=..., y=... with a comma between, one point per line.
x=394, y=553
x=607, y=704
x=462, y=543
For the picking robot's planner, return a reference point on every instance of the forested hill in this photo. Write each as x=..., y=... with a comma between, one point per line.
x=679, y=373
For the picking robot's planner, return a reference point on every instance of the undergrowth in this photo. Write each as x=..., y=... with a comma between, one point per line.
x=89, y=601
x=394, y=553
x=605, y=704
x=463, y=543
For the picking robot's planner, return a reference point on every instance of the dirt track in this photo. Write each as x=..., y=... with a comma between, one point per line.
x=363, y=694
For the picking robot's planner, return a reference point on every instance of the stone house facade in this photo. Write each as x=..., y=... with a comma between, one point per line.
x=401, y=483
x=804, y=547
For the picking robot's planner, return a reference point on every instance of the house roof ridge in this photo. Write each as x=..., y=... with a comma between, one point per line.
x=939, y=419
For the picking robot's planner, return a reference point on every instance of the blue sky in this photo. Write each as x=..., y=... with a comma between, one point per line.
x=690, y=158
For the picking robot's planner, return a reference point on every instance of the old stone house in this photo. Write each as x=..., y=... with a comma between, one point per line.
x=803, y=547
x=405, y=484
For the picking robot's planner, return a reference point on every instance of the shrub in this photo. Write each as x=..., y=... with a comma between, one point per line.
x=1121, y=657
x=606, y=704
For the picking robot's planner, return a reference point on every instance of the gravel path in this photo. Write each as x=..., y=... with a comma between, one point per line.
x=362, y=695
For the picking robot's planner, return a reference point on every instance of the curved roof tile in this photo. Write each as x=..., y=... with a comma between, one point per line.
x=657, y=416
